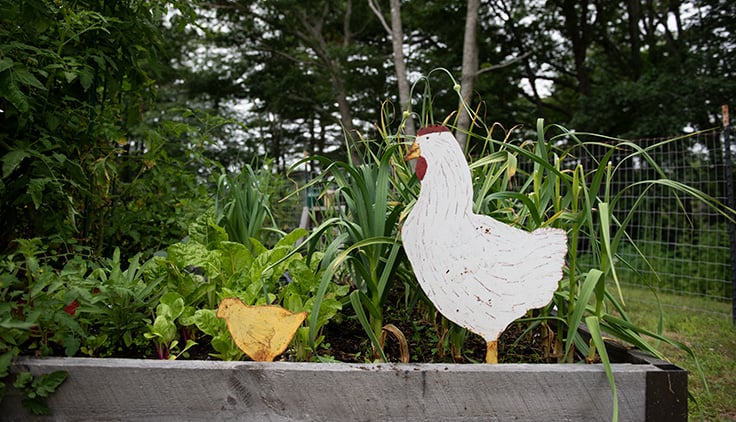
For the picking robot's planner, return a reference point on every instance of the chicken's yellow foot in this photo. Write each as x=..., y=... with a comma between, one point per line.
x=492, y=352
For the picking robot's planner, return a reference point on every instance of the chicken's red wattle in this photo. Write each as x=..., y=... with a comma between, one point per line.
x=421, y=168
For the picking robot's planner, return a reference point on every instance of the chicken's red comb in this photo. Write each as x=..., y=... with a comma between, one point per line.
x=432, y=129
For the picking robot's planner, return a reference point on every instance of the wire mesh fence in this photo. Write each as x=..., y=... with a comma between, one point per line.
x=683, y=244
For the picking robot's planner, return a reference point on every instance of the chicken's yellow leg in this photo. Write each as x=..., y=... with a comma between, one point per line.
x=492, y=352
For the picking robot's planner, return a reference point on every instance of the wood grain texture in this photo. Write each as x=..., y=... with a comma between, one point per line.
x=120, y=389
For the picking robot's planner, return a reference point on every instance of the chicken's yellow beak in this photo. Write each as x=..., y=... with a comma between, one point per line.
x=414, y=152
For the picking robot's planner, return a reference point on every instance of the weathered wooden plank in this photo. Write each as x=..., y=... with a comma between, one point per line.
x=120, y=389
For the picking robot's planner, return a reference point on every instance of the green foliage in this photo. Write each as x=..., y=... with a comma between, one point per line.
x=164, y=306
x=35, y=316
x=545, y=59
x=5, y=360
x=303, y=62
x=365, y=235
x=681, y=267
x=118, y=304
x=303, y=294
x=243, y=204
x=79, y=162
x=208, y=322
x=37, y=388
x=163, y=330
x=199, y=273
x=34, y=311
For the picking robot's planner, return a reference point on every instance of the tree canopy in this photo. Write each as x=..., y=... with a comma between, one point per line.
x=624, y=68
x=112, y=111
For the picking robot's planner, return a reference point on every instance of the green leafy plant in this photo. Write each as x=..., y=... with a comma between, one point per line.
x=163, y=331
x=37, y=309
x=36, y=316
x=37, y=388
x=366, y=244
x=242, y=206
x=80, y=164
x=118, y=304
x=166, y=304
x=196, y=274
x=221, y=341
x=300, y=295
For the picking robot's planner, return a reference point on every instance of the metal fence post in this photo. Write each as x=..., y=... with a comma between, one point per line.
x=731, y=203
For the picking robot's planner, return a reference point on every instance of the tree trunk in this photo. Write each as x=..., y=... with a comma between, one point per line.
x=579, y=33
x=397, y=38
x=346, y=114
x=469, y=71
x=313, y=36
x=396, y=32
x=634, y=11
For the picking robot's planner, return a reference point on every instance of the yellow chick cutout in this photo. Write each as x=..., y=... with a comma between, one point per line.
x=261, y=332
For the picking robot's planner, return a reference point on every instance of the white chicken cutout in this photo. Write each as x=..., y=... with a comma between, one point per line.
x=480, y=273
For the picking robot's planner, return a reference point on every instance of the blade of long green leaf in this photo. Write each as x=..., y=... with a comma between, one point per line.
x=638, y=342
x=319, y=296
x=355, y=300
x=595, y=334
x=581, y=302
x=605, y=227
x=383, y=281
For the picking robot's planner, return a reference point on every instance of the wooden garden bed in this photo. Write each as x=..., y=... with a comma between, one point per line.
x=128, y=389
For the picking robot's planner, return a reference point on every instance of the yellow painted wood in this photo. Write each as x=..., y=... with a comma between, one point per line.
x=492, y=352
x=261, y=332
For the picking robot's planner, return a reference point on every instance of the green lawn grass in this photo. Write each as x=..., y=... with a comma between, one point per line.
x=705, y=326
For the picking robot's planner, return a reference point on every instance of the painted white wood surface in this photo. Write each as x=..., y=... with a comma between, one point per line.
x=128, y=390
x=480, y=273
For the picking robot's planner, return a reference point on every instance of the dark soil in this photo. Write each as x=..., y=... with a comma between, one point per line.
x=431, y=338
x=429, y=342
